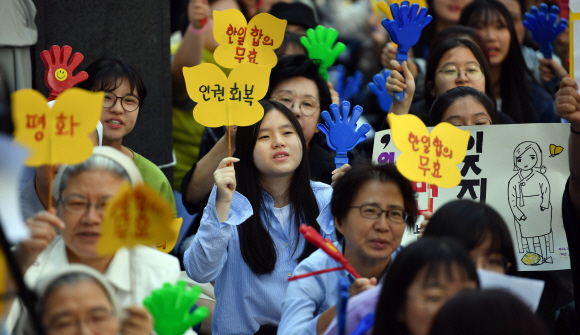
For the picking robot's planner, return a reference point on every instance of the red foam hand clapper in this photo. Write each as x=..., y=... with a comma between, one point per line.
x=59, y=72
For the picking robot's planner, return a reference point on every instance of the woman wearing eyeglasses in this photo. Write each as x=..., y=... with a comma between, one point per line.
x=81, y=193
x=125, y=93
x=372, y=205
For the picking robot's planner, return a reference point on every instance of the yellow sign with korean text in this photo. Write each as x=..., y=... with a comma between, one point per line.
x=242, y=42
x=227, y=101
x=58, y=134
x=430, y=158
x=136, y=216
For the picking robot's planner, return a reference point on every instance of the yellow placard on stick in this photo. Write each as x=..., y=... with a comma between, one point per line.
x=242, y=42
x=227, y=101
x=136, y=216
x=58, y=134
x=430, y=158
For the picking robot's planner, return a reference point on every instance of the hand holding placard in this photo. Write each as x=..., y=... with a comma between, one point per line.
x=59, y=75
x=543, y=27
x=430, y=158
x=341, y=134
x=242, y=42
x=171, y=307
x=405, y=30
x=379, y=88
x=135, y=216
x=320, y=44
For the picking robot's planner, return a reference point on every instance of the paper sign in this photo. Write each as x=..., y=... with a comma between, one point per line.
x=529, y=291
x=135, y=216
x=241, y=42
x=167, y=246
x=430, y=158
x=227, y=101
x=10, y=210
x=491, y=174
x=58, y=134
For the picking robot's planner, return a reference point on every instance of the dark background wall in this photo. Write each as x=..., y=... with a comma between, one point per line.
x=135, y=31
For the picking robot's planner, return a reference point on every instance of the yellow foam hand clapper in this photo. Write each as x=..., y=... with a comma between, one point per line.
x=242, y=42
x=58, y=134
x=430, y=158
x=384, y=7
x=227, y=101
x=135, y=216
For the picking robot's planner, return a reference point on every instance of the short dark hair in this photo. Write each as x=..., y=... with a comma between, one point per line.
x=256, y=244
x=106, y=73
x=435, y=57
x=446, y=99
x=486, y=312
x=469, y=223
x=292, y=66
x=437, y=256
x=349, y=185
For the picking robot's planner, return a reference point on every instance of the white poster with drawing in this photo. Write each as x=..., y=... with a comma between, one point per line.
x=520, y=171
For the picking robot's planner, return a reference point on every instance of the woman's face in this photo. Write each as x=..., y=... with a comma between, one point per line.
x=303, y=92
x=484, y=257
x=496, y=36
x=527, y=160
x=466, y=111
x=79, y=308
x=449, y=11
x=513, y=6
x=373, y=240
x=82, y=230
x=426, y=296
x=118, y=121
x=278, y=150
x=462, y=59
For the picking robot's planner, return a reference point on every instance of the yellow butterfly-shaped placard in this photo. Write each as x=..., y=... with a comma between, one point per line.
x=555, y=150
x=58, y=134
x=242, y=42
x=136, y=216
x=430, y=158
x=227, y=101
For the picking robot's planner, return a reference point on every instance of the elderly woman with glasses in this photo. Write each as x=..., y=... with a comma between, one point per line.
x=372, y=205
x=81, y=192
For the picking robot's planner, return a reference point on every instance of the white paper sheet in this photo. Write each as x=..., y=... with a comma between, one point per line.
x=489, y=174
x=11, y=165
x=529, y=291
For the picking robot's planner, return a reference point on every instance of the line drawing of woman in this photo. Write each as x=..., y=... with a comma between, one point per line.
x=529, y=200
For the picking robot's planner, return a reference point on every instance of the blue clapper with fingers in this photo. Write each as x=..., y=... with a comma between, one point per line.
x=379, y=88
x=544, y=27
x=341, y=133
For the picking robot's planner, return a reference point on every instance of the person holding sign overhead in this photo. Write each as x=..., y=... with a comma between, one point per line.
x=81, y=193
x=248, y=241
x=125, y=93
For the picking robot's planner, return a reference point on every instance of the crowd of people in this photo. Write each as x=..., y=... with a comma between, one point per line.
x=475, y=64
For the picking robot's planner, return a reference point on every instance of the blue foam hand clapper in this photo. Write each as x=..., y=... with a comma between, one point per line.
x=342, y=134
x=405, y=30
x=379, y=88
x=349, y=89
x=543, y=26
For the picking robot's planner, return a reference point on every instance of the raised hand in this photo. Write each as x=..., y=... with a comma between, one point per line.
x=198, y=13
x=59, y=75
x=405, y=29
x=170, y=307
x=320, y=44
x=544, y=27
x=341, y=134
x=568, y=102
x=379, y=88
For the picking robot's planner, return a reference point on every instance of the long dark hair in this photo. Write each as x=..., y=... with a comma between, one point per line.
x=486, y=312
x=516, y=100
x=105, y=73
x=448, y=98
x=256, y=244
x=435, y=58
x=469, y=223
x=437, y=256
